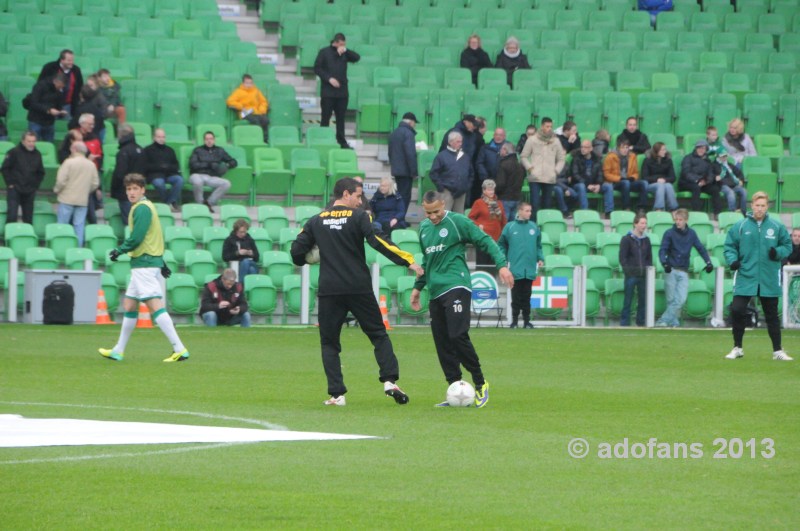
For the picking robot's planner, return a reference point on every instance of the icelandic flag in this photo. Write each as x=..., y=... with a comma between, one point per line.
x=549, y=292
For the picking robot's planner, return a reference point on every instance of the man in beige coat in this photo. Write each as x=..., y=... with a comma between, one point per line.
x=543, y=159
x=76, y=179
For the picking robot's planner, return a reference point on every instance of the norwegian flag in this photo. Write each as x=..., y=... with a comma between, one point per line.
x=550, y=292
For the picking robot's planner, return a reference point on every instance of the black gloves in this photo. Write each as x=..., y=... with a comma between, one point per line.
x=736, y=265
x=773, y=254
x=114, y=255
x=667, y=268
x=709, y=268
x=166, y=272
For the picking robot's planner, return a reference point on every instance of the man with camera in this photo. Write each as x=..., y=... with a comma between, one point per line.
x=207, y=165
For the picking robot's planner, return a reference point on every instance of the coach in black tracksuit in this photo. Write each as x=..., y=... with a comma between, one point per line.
x=331, y=67
x=345, y=283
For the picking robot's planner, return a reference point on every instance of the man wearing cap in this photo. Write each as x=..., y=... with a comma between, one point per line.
x=697, y=175
x=403, y=156
x=732, y=182
x=331, y=67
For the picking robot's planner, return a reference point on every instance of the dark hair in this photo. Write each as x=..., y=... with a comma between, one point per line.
x=629, y=118
x=64, y=52
x=134, y=179
x=638, y=216
x=656, y=148
x=523, y=204
x=622, y=141
x=209, y=133
x=239, y=223
x=29, y=133
x=103, y=71
x=247, y=76
x=338, y=37
x=569, y=124
x=432, y=196
x=547, y=120
x=345, y=184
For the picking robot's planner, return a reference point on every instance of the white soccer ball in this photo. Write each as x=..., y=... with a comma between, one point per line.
x=312, y=256
x=461, y=394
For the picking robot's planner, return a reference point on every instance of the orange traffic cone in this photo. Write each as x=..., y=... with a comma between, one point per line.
x=102, y=309
x=144, y=320
x=384, y=312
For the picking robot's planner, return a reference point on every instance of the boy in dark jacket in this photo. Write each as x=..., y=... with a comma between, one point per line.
x=223, y=302
x=697, y=175
x=635, y=256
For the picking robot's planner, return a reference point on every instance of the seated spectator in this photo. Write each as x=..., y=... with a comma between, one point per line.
x=241, y=247
x=250, y=104
x=207, y=164
x=511, y=58
x=714, y=142
x=637, y=140
x=529, y=132
x=697, y=176
x=388, y=208
x=601, y=142
x=44, y=105
x=737, y=143
x=3, y=112
x=586, y=167
x=488, y=214
x=223, y=302
x=568, y=136
x=794, y=257
x=91, y=102
x=112, y=92
x=659, y=174
x=129, y=160
x=732, y=182
x=76, y=179
x=474, y=57
x=571, y=183
x=161, y=168
x=654, y=7
x=510, y=178
x=621, y=170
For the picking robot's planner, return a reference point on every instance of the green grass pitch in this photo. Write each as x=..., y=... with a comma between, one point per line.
x=505, y=466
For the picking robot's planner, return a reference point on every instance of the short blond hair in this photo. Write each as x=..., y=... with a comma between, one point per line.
x=737, y=124
x=759, y=195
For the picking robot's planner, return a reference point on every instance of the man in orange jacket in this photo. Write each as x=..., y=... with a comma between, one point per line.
x=621, y=170
x=250, y=104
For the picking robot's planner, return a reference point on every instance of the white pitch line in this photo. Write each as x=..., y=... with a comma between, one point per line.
x=112, y=456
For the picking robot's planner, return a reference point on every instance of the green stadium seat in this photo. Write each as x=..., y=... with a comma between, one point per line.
x=100, y=239
x=617, y=107
x=183, y=295
x=761, y=115
x=584, y=109
x=690, y=114
x=699, y=301
x=309, y=175
x=632, y=83
x=588, y=223
x=574, y=245
x=179, y=240
x=605, y=21
x=292, y=295
x=271, y=175
x=196, y=217
x=343, y=163
x=405, y=286
x=692, y=41
x=655, y=112
x=671, y=22
x=287, y=236
x=120, y=270
x=722, y=109
x=286, y=139
x=760, y=175
x=214, y=238
x=262, y=297
x=598, y=270
x=75, y=258
x=768, y=145
x=277, y=265
x=40, y=258
x=558, y=265
x=273, y=218
x=608, y=246
x=789, y=174
x=199, y=264
x=551, y=222
x=60, y=237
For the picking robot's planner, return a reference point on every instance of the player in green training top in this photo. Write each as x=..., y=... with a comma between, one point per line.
x=145, y=246
x=443, y=236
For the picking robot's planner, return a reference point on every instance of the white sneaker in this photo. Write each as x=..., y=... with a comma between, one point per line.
x=737, y=352
x=780, y=355
x=336, y=401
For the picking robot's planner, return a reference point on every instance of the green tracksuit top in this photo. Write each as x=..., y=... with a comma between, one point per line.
x=521, y=241
x=443, y=247
x=749, y=244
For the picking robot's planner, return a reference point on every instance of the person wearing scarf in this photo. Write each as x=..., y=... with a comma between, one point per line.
x=474, y=57
x=489, y=215
x=543, y=159
x=511, y=58
x=738, y=143
x=638, y=140
x=733, y=181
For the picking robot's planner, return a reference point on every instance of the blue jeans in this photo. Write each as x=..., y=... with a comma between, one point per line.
x=43, y=132
x=607, y=189
x=577, y=191
x=511, y=209
x=626, y=186
x=631, y=283
x=736, y=197
x=541, y=194
x=210, y=319
x=74, y=215
x=664, y=195
x=174, y=195
x=676, y=288
x=247, y=266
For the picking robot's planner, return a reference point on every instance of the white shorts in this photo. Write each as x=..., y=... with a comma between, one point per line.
x=145, y=284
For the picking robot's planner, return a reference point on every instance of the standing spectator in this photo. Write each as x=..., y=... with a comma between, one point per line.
x=511, y=59
x=601, y=142
x=521, y=241
x=488, y=214
x=738, y=143
x=510, y=178
x=3, y=112
x=568, y=136
x=387, y=207
x=654, y=7
x=86, y=124
x=659, y=174
x=674, y=254
x=23, y=172
x=207, y=164
x=241, y=247
x=44, y=106
x=586, y=175
x=489, y=156
x=451, y=173
x=403, y=157
x=794, y=257
x=76, y=179
x=66, y=68
x=697, y=175
x=251, y=104
x=112, y=92
x=161, y=168
x=732, y=183
x=543, y=159
x=91, y=102
x=637, y=140
x=474, y=57
x=129, y=160
x=529, y=132
x=467, y=127
x=635, y=256
x=223, y=302
x=754, y=249
x=714, y=142
x=331, y=67
x=63, y=152
x=621, y=169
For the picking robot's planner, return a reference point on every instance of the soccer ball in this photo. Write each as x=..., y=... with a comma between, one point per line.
x=461, y=394
x=312, y=256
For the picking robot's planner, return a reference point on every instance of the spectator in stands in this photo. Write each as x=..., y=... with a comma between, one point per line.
x=3, y=112
x=732, y=183
x=794, y=257
x=112, y=92
x=621, y=169
x=23, y=172
x=44, y=106
x=86, y=125
x=738, y=143
x=568, y=136
x=714, y=142
x=251, y=104
x=637, y=140
x=241, y=247
x=697, y=176
x=331, y=67
x=161, y=168
x=467, y=127
x=91, y=102
x=543, y=159
x=601, y=142
x=474, y=57
x=129, y=160
x=674, y=254
x=207, y=164
x=451, y=173
x=488, y=214
x=654, y=7
x=489, y=156
x=388, y=208
x=510, y=178
x=571, y=183
x=659, y=174
x=76, y=179
x=223, y=302
x=403, y=157
x=72, y=76
x=521, y=241
x=635, y=256
x=511, y=58
x=529, y=132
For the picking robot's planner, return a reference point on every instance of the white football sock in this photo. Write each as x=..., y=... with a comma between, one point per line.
x=128, y=326
x=164, y=322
